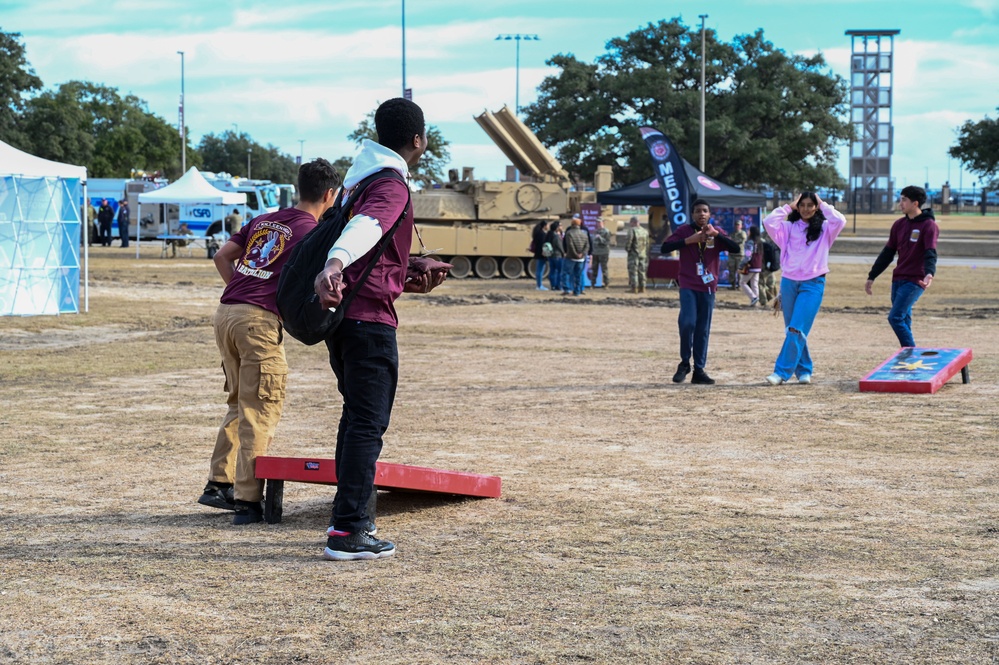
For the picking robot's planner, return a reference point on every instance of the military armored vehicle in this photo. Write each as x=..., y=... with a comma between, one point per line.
x=485, y=226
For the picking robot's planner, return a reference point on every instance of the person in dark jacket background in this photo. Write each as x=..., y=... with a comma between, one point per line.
x=123, y=220
x=537, y=248
x=554, y=239
x=105, y=215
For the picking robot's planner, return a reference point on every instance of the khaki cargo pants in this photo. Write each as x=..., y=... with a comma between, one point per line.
x=250, y=340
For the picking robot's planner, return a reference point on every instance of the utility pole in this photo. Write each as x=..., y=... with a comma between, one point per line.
x=702, y=17
x=183, y=125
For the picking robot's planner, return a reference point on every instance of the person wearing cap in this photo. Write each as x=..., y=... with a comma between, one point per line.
x=576, y=245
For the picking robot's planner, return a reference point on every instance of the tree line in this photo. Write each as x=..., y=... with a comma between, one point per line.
x=80, y=122
x=773, y=119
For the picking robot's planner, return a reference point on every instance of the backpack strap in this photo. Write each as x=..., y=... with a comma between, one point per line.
x=385, y=239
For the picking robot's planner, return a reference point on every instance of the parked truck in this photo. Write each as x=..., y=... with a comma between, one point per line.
x=485, y=227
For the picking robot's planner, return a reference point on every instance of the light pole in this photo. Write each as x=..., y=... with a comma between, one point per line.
x=404, y=48
x=518, y=38
x=702, y=17
x=183, y=127
x=301, y=151
x=235, y=126
x=249, y=172
x=926, y=183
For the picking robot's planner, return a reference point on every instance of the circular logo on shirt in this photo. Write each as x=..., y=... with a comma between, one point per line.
x=265, y=245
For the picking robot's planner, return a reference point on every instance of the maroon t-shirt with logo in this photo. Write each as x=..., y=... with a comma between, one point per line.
x=911, y=238
x=383, y=200
x=691, y=255
x=266, y=241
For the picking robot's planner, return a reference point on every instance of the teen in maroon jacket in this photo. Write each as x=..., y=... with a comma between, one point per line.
x=699, y=244
x=914, y=237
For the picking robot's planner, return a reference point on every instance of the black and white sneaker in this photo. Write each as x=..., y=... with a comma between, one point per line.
x=346, y=546
x=218, y=495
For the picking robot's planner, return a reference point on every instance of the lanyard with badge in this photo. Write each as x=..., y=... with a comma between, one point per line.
x=704, y=274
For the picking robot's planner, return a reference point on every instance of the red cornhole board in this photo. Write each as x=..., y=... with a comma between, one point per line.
x=916, y=369
x=388, y=476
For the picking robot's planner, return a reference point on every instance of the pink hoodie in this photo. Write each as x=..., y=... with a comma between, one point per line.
x=798, y=260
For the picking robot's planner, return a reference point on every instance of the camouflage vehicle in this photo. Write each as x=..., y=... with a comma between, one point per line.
x=485, y=226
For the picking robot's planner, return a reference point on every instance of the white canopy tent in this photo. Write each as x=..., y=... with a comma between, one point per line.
x=42, y=206
x=190, y=188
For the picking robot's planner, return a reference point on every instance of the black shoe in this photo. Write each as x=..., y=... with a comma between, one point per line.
x=248, y=512
x=346, y=546
x=682, y=370
x=701, y=377
x=218, y=495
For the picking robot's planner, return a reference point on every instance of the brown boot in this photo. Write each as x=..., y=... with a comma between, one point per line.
x=641, y=289
x=633, y=289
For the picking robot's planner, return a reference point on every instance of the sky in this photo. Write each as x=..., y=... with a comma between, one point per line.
x=301, y=74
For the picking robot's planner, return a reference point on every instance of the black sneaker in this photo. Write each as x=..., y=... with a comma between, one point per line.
x=248, y=512
x=218, y=495
x=701, y=377
x=682, y=370
x=345, y=546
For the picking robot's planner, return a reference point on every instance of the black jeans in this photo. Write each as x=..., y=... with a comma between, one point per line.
x=365, y=360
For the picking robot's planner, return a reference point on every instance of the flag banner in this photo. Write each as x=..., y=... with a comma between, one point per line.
x=672, y=177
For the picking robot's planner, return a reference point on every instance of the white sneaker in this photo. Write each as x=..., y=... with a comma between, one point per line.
x=774, y=379
x=804, y=378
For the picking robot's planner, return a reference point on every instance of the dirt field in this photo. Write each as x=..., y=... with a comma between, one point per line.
x=641, y=521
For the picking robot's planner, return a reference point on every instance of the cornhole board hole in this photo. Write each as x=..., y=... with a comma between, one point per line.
x=276, y=470
x=918, y=370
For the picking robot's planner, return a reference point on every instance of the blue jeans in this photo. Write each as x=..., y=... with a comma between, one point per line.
x=800, y=302
x=539, y=268
x=574, y=276
x=694, y=321
x=555, y=272
x=903, y=296
x=365, y=360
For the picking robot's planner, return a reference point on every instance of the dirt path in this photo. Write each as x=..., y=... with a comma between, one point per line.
x=641, y=521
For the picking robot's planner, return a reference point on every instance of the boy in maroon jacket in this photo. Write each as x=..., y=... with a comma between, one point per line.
x=699, y=244
x=914, y=237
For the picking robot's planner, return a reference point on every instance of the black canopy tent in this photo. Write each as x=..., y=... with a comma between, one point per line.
x=718, y=194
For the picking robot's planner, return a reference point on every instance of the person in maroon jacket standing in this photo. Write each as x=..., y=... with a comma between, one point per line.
x=250, y=338
x=699, y=244
x=363, y=350
x=914, y=237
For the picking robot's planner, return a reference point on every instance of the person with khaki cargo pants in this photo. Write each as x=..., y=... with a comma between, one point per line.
x=251, y=341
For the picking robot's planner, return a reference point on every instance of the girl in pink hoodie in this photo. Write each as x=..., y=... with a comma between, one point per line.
x=804, y=231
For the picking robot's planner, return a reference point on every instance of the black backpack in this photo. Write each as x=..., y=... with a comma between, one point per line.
x=771, y=256
x=301, y=314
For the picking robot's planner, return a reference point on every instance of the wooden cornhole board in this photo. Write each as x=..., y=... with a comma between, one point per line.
x=388, y=476
x=916, y=369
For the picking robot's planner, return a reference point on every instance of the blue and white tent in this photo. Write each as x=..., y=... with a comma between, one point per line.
x=40, y=224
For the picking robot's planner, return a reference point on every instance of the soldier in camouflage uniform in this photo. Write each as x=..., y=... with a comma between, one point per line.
x=637, y=246
x=735, y=258
x=601, y=253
